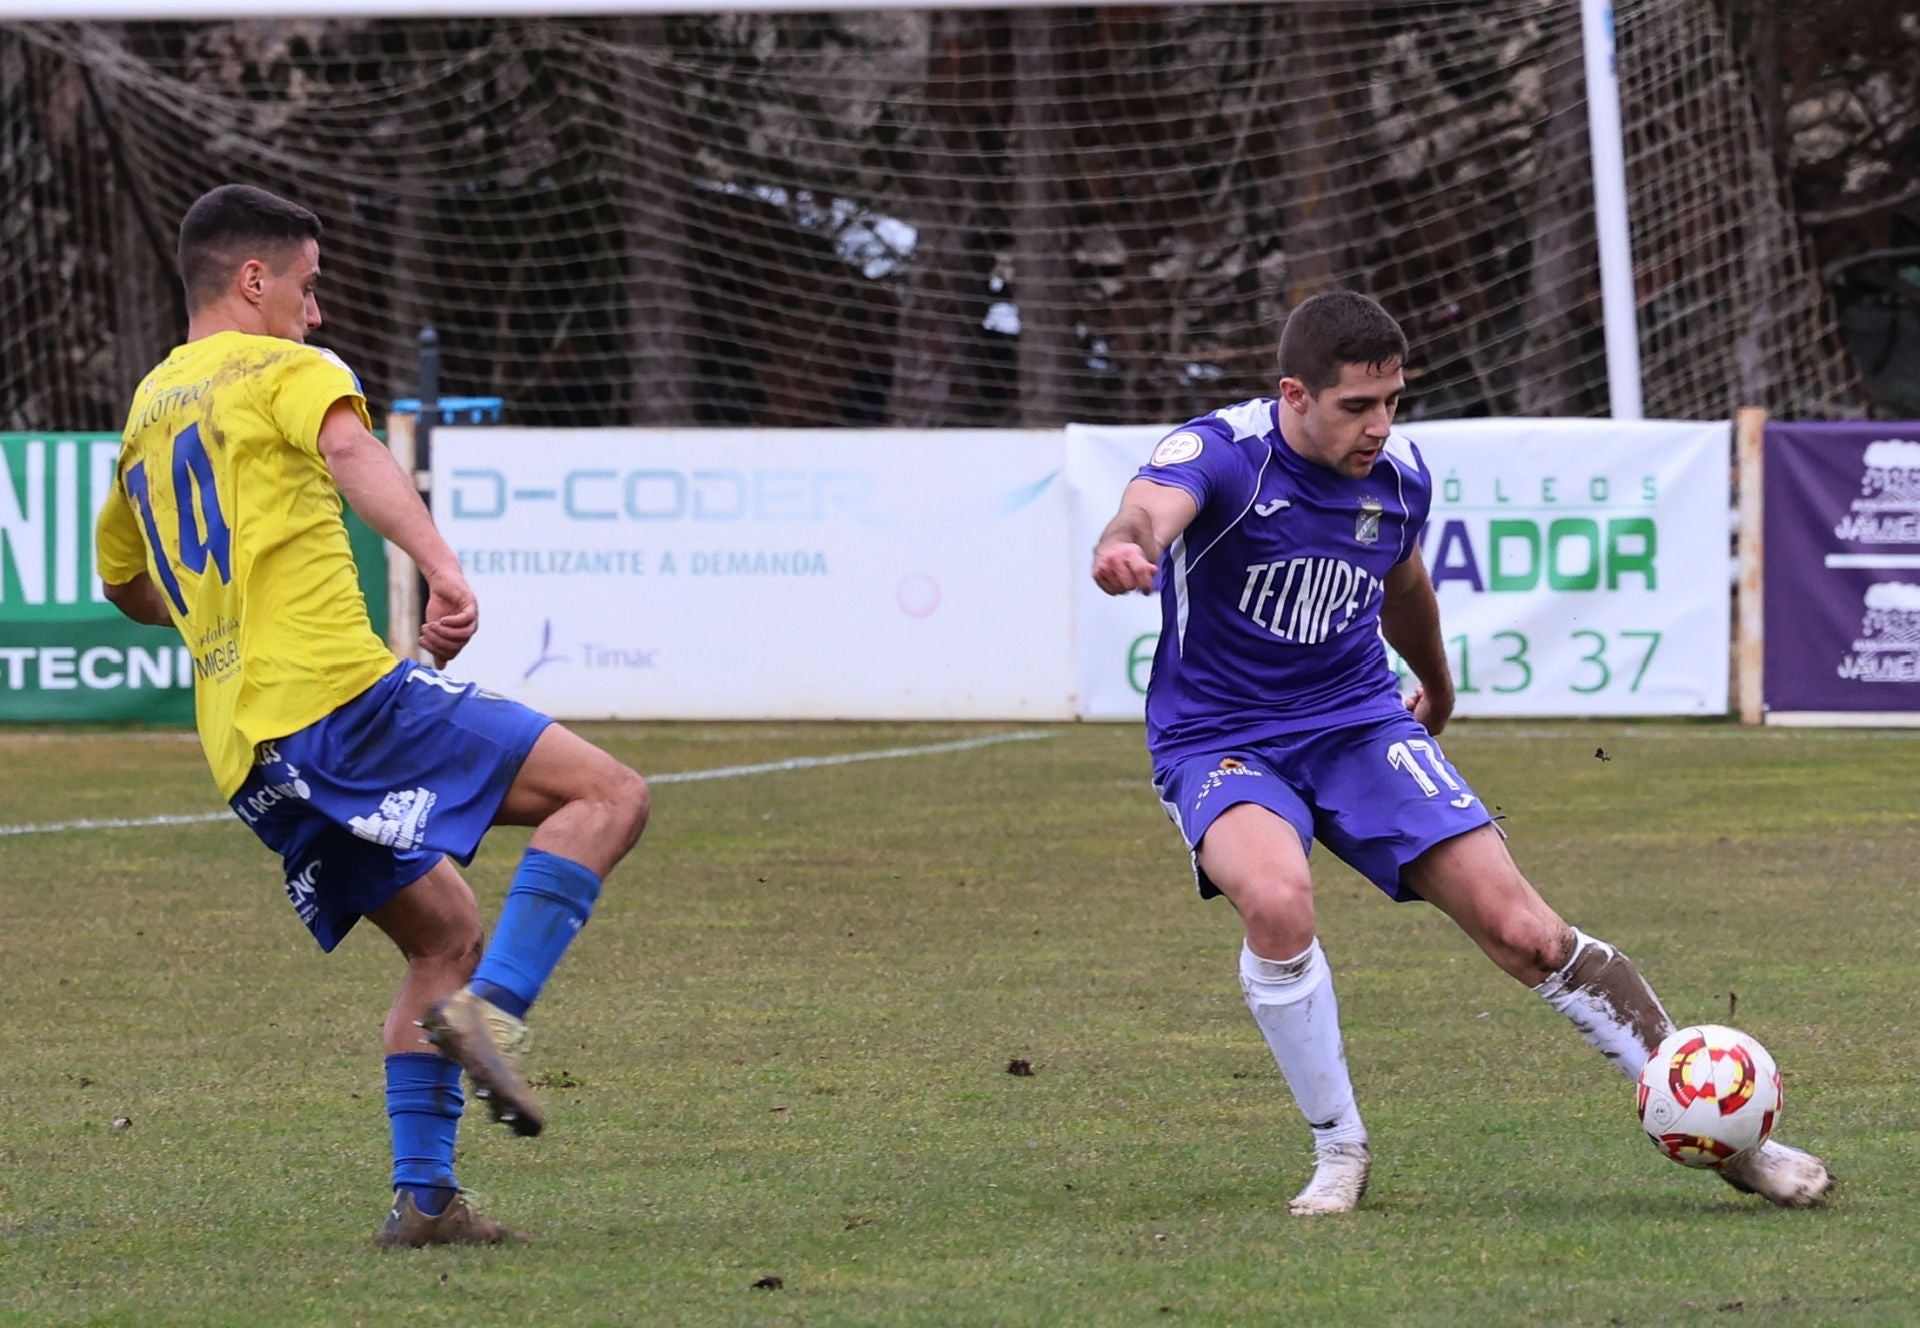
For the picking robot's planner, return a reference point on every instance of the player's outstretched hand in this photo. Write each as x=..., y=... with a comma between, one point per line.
x=453, y=615
x=1120, y=566
x=1432, y=709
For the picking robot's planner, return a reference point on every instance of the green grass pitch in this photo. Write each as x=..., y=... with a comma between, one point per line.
x=781, y=1051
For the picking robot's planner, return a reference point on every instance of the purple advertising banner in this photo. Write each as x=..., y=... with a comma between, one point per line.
x=1842, y=567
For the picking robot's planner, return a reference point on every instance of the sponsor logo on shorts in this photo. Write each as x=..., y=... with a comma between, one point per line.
x=300, y=892
x=1177, y=447
x=401, y=822
x=1228, y=767
x=255, y=805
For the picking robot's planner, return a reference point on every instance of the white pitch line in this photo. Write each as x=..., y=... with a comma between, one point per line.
x=848, y=758
x=674, y=777
x=94, y=735
x=116, y=823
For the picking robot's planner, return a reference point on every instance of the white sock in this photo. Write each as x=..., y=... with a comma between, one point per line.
x=1292, y=1001
x=1602, y=992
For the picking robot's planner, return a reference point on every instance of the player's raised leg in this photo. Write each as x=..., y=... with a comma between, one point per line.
x=1474, y=880
x=436, y=925
x=1256, y=858
x=589, y=810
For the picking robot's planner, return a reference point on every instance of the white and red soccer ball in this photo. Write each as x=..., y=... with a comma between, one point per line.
x=1707, y=1093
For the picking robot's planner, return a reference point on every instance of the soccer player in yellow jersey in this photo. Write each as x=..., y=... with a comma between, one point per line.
x=369, y=775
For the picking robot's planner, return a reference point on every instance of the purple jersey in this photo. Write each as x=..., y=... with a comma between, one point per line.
x=1270, y=599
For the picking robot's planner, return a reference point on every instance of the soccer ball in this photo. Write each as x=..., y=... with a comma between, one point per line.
x=1707, y=1094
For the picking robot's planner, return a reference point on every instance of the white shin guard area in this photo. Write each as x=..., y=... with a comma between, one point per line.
x=1602, y=994
x=1293, y=1003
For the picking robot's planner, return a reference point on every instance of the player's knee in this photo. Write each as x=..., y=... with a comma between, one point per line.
x=1528, y=946
x=454, y=945
x=629, y=802
x=1279, y=919
x=465, y=956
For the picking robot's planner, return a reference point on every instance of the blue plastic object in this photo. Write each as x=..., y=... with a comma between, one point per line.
x=457, y=410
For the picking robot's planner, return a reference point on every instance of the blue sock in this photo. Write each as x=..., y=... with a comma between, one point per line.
x=550, y=900
x=424, y=1102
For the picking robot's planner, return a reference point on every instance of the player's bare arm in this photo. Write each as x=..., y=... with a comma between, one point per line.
x=1151, y=516
x=140, y=600
x=381, y=492
x=1410, y=620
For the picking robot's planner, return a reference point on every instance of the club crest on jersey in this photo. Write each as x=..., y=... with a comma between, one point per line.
x=1176, y=447
x=1366, y=526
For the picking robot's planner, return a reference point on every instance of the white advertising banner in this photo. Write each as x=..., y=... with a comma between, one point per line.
x=718, y=574
x=1581, y=565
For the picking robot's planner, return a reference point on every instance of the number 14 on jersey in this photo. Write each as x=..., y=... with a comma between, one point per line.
x=203, y=535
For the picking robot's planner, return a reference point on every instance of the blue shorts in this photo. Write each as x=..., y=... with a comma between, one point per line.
x=363, y=803
x=1379, y=794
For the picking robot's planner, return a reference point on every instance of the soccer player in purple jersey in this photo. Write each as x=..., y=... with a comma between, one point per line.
x=1283, y=535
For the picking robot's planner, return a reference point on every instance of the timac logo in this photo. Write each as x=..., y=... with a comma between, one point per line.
x=546, y=656
x=590, y=655
x=655, y=494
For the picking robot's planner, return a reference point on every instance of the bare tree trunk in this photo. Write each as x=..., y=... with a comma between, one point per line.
x=1311, y=213
x=1560, y=275
x=938, y=330
x=149, y=305
x=1042, y=273
x=407, y=278
x=1766, y=221
x=1753, y=26
x=653, y=207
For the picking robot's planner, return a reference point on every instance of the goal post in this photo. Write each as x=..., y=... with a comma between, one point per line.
x=1612, y=229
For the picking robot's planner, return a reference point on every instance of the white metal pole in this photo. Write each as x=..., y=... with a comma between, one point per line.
x=1750, y=629
x=1610, y=211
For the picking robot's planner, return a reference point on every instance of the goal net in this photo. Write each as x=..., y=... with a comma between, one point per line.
x=915, y=217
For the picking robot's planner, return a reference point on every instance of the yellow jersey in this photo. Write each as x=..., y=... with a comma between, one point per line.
x=223, y=498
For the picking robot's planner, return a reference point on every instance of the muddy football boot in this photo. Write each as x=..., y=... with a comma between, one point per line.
x=459, y=1223
x=487, y=1042
x=1781, y=1175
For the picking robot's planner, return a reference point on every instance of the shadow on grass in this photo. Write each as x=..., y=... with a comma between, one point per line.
x=1712, y=1200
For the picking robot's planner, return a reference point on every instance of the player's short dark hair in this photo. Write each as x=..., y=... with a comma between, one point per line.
x=1336, y=328
x=230, y=224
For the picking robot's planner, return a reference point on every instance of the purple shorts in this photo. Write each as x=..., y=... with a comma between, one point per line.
x=1379, y=794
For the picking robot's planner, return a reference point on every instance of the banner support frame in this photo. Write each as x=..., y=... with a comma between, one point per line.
x=403, y=578
x=1749, y=433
